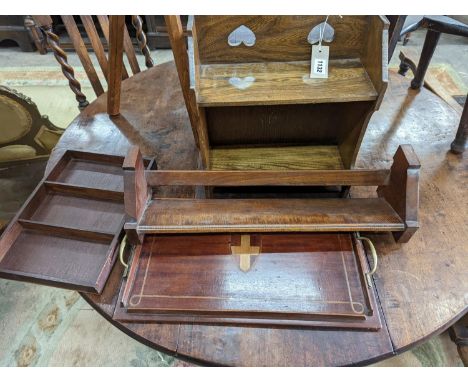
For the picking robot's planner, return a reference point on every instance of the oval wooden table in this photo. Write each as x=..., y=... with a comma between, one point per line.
x=422, y=286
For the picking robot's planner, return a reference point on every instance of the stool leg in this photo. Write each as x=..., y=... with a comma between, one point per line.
x=458, y=145
x=459, y=334
x=404, y=67
x=406, y=38
x=430, y=43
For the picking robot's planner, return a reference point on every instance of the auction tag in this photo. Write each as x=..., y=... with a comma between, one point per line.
x=319, y=61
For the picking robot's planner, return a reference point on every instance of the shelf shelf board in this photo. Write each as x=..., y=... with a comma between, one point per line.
x=268, y=215
x=275, y=83
x=276, y=158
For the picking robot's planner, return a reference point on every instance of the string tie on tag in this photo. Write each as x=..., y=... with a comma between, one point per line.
x=322, y=30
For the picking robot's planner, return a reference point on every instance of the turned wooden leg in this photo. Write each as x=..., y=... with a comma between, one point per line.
x=406, y=38
x=116, y=37
x=458, y=145
x=141, y=37
x=430, y=43
x=404, y=67
x=36, y=34
x=396, y=25
x=45, y=24
x=406, y=64
x=459, y=335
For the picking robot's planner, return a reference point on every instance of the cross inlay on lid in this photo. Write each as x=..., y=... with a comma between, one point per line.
x=244, y=251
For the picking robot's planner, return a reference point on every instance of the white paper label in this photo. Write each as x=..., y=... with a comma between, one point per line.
x=319, y=61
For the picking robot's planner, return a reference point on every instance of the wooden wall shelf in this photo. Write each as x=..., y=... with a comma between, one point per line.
x=260, y=94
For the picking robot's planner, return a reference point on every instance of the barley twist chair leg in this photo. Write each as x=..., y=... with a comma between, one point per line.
x=67, y=70
x=141, y=37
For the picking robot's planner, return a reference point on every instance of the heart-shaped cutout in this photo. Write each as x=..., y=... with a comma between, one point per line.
x=242, y=83
x=241, y=35
x=328, y=33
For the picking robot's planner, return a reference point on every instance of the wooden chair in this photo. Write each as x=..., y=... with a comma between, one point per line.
x=397, y=23
x=435, y=25
x=179, y=49
x=52, y=40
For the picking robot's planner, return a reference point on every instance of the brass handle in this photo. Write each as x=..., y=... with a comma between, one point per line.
x=374, y=258
x=123, y=244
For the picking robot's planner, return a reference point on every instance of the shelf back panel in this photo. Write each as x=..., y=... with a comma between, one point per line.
x=277, y=38
x=318, y=124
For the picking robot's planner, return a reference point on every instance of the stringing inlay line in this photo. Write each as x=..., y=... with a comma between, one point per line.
x=141, y=295
x=351, y=302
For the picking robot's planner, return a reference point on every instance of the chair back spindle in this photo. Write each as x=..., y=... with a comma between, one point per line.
x=97, y=42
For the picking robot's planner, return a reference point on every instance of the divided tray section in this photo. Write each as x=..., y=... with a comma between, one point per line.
x=67, y=232
x=89, y=216
x=59, y=260
x=314, y=280
x=83, y=170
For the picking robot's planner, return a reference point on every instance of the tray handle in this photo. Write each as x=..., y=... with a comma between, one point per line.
x=374, y=258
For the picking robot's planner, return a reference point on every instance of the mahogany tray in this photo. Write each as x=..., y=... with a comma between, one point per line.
x=309, y=280
x=66, y=233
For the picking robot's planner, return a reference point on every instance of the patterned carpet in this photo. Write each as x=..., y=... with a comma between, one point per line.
x=43, y=326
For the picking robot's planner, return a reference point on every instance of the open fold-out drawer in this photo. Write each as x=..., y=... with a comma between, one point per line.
x=66, y=233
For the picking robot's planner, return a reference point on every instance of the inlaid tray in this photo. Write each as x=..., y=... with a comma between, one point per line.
x=260, y=279
x=67, y=232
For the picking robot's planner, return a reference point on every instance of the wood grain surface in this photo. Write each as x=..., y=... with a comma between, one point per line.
x=183, y=278
x=363, y=177
x=276, y=83
x=116, y=65
x=243, y=90
x=276, y=158
x=277, y=38
x=323, y=124
x=268, y=215
x=421, y=285
x=66, y=234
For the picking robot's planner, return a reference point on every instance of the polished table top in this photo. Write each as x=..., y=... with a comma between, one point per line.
x=422, y=285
